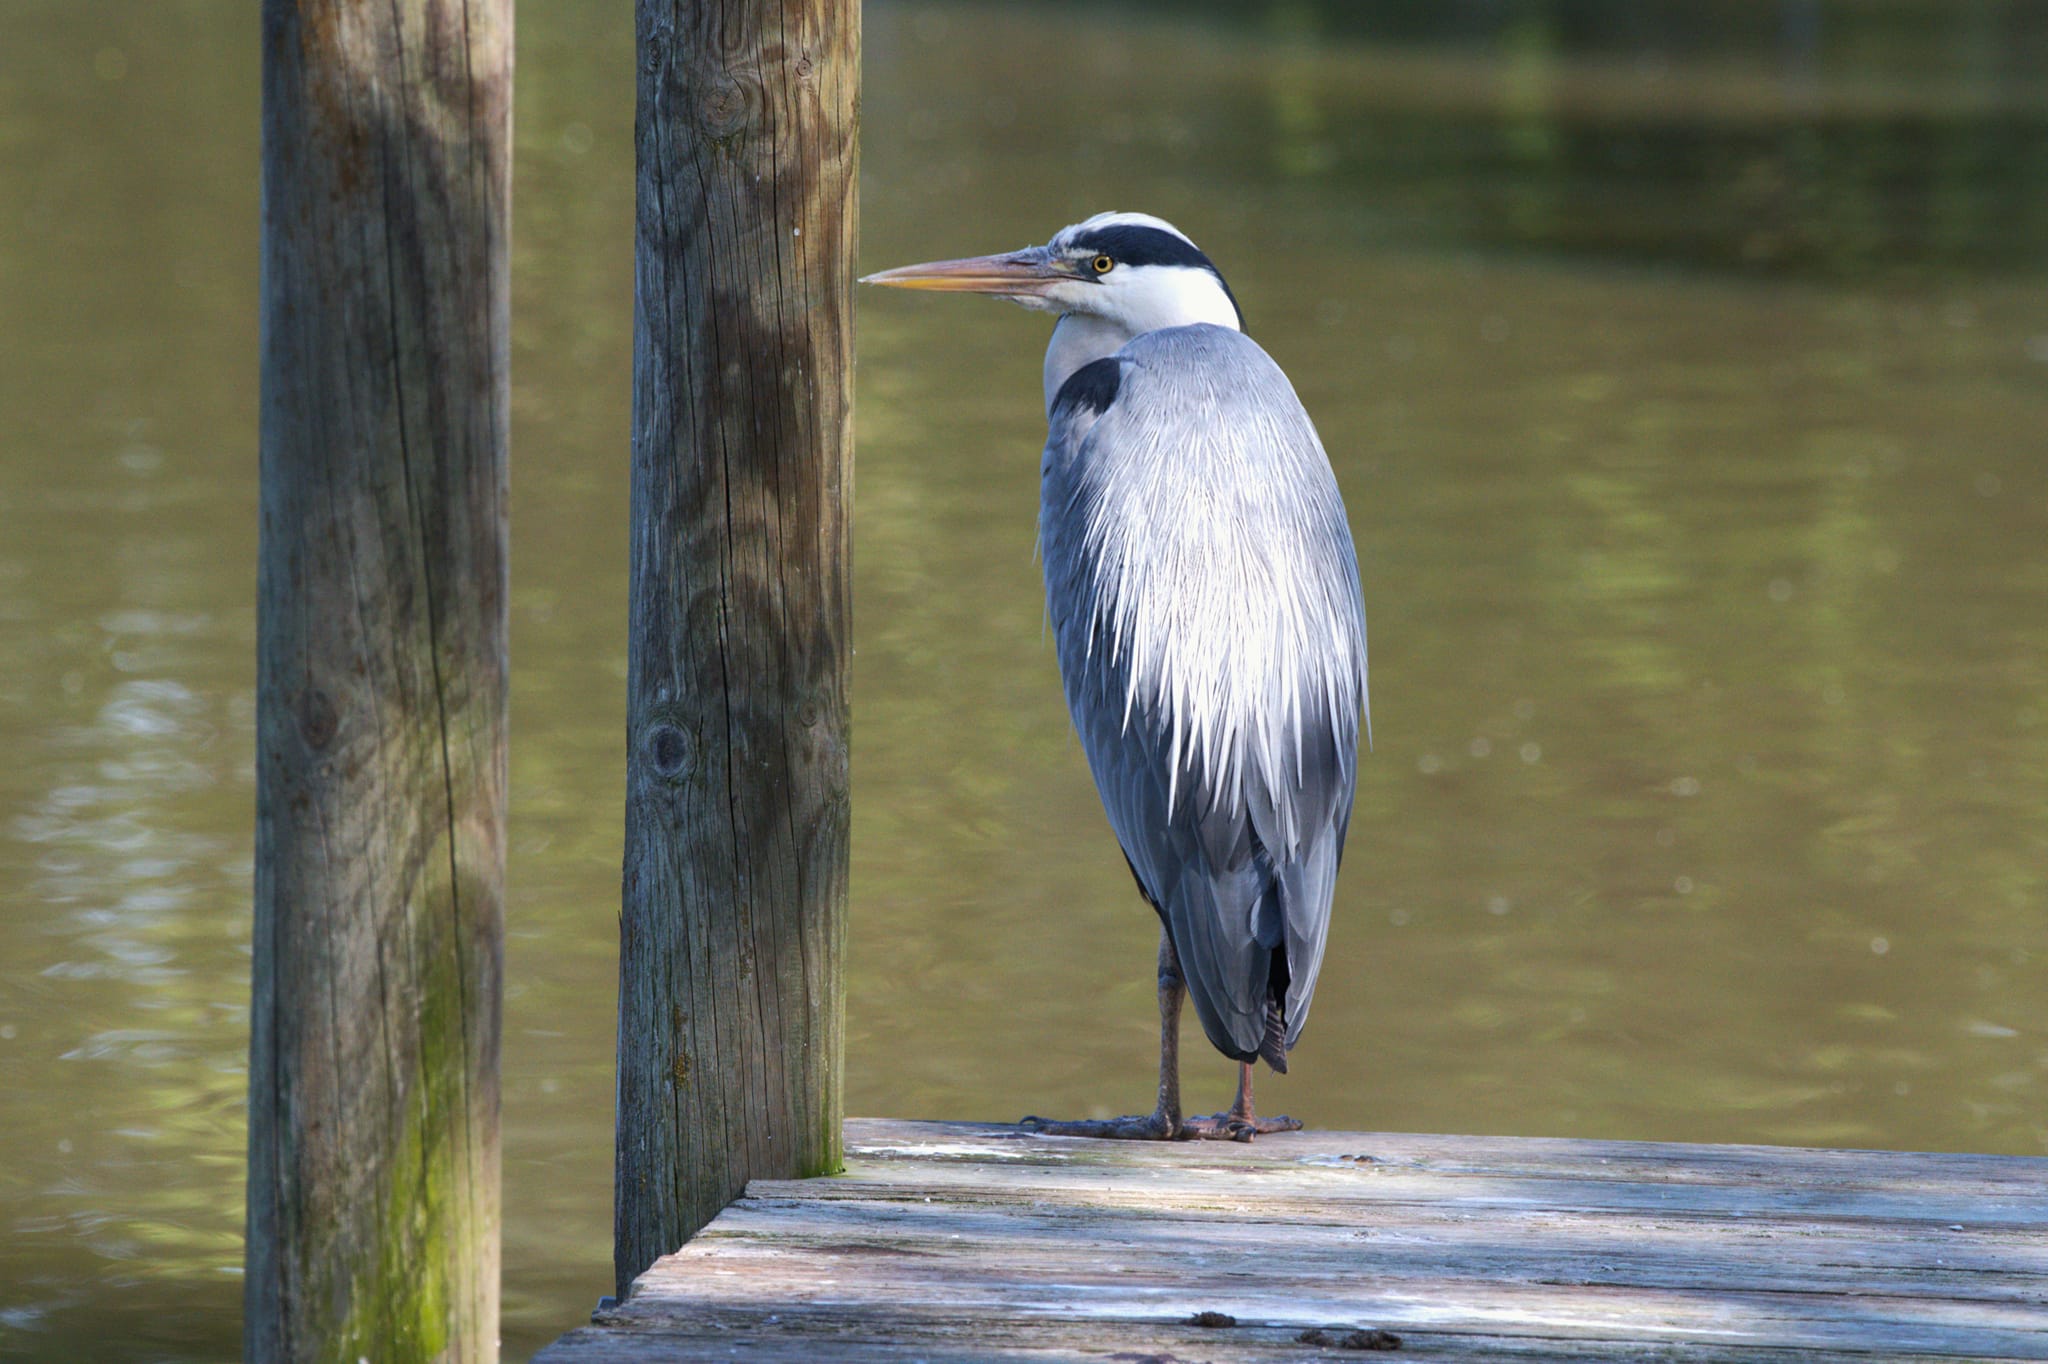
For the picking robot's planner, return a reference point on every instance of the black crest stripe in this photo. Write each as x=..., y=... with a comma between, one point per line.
x=1134, y=244
x=1130, y=244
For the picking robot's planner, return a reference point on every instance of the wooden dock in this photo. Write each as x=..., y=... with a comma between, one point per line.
x=965, y=1242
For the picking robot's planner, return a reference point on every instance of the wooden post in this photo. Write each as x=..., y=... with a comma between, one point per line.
x=381, y=671
x=730, y=998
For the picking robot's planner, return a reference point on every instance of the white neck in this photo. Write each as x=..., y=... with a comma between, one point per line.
x=1127, y=304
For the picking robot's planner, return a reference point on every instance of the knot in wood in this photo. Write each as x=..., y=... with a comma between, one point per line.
x=318, y=719
x=723, y=106
x=668, y=751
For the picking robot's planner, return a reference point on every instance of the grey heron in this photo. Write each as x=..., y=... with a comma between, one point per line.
x=1203, y=593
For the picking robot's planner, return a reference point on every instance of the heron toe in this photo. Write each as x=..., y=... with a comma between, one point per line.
x=1138, y=1127
x=1236, y=1127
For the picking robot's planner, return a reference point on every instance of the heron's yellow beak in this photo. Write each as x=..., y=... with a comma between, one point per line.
x=1017, y=274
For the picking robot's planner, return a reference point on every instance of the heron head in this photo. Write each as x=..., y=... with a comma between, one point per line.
x=1133, y=270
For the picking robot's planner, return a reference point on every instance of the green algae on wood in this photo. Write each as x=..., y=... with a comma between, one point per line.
x=373, y=1205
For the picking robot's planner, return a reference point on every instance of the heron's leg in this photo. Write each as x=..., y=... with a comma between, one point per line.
x=1242, y=1122
x=1173, y=989
x=1162, y=1123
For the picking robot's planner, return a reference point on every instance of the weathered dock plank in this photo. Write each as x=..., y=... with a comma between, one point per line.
x=960, y=1242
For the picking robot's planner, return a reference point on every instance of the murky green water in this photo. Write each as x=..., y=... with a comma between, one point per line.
x=1688, y=386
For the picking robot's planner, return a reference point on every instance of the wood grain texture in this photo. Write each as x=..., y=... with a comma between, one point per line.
x=961, y=1242
x=381, y=682
x=730, y=998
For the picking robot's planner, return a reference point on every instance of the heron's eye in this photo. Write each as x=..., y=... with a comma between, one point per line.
x=1103, y=265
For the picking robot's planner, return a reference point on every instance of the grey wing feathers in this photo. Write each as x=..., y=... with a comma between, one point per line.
x=1204, y=598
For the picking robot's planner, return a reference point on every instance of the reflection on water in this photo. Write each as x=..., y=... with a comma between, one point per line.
x=1686, y=382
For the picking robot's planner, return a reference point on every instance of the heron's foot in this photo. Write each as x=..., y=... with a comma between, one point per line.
x=1235, y=1126
x=1145, y=1127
